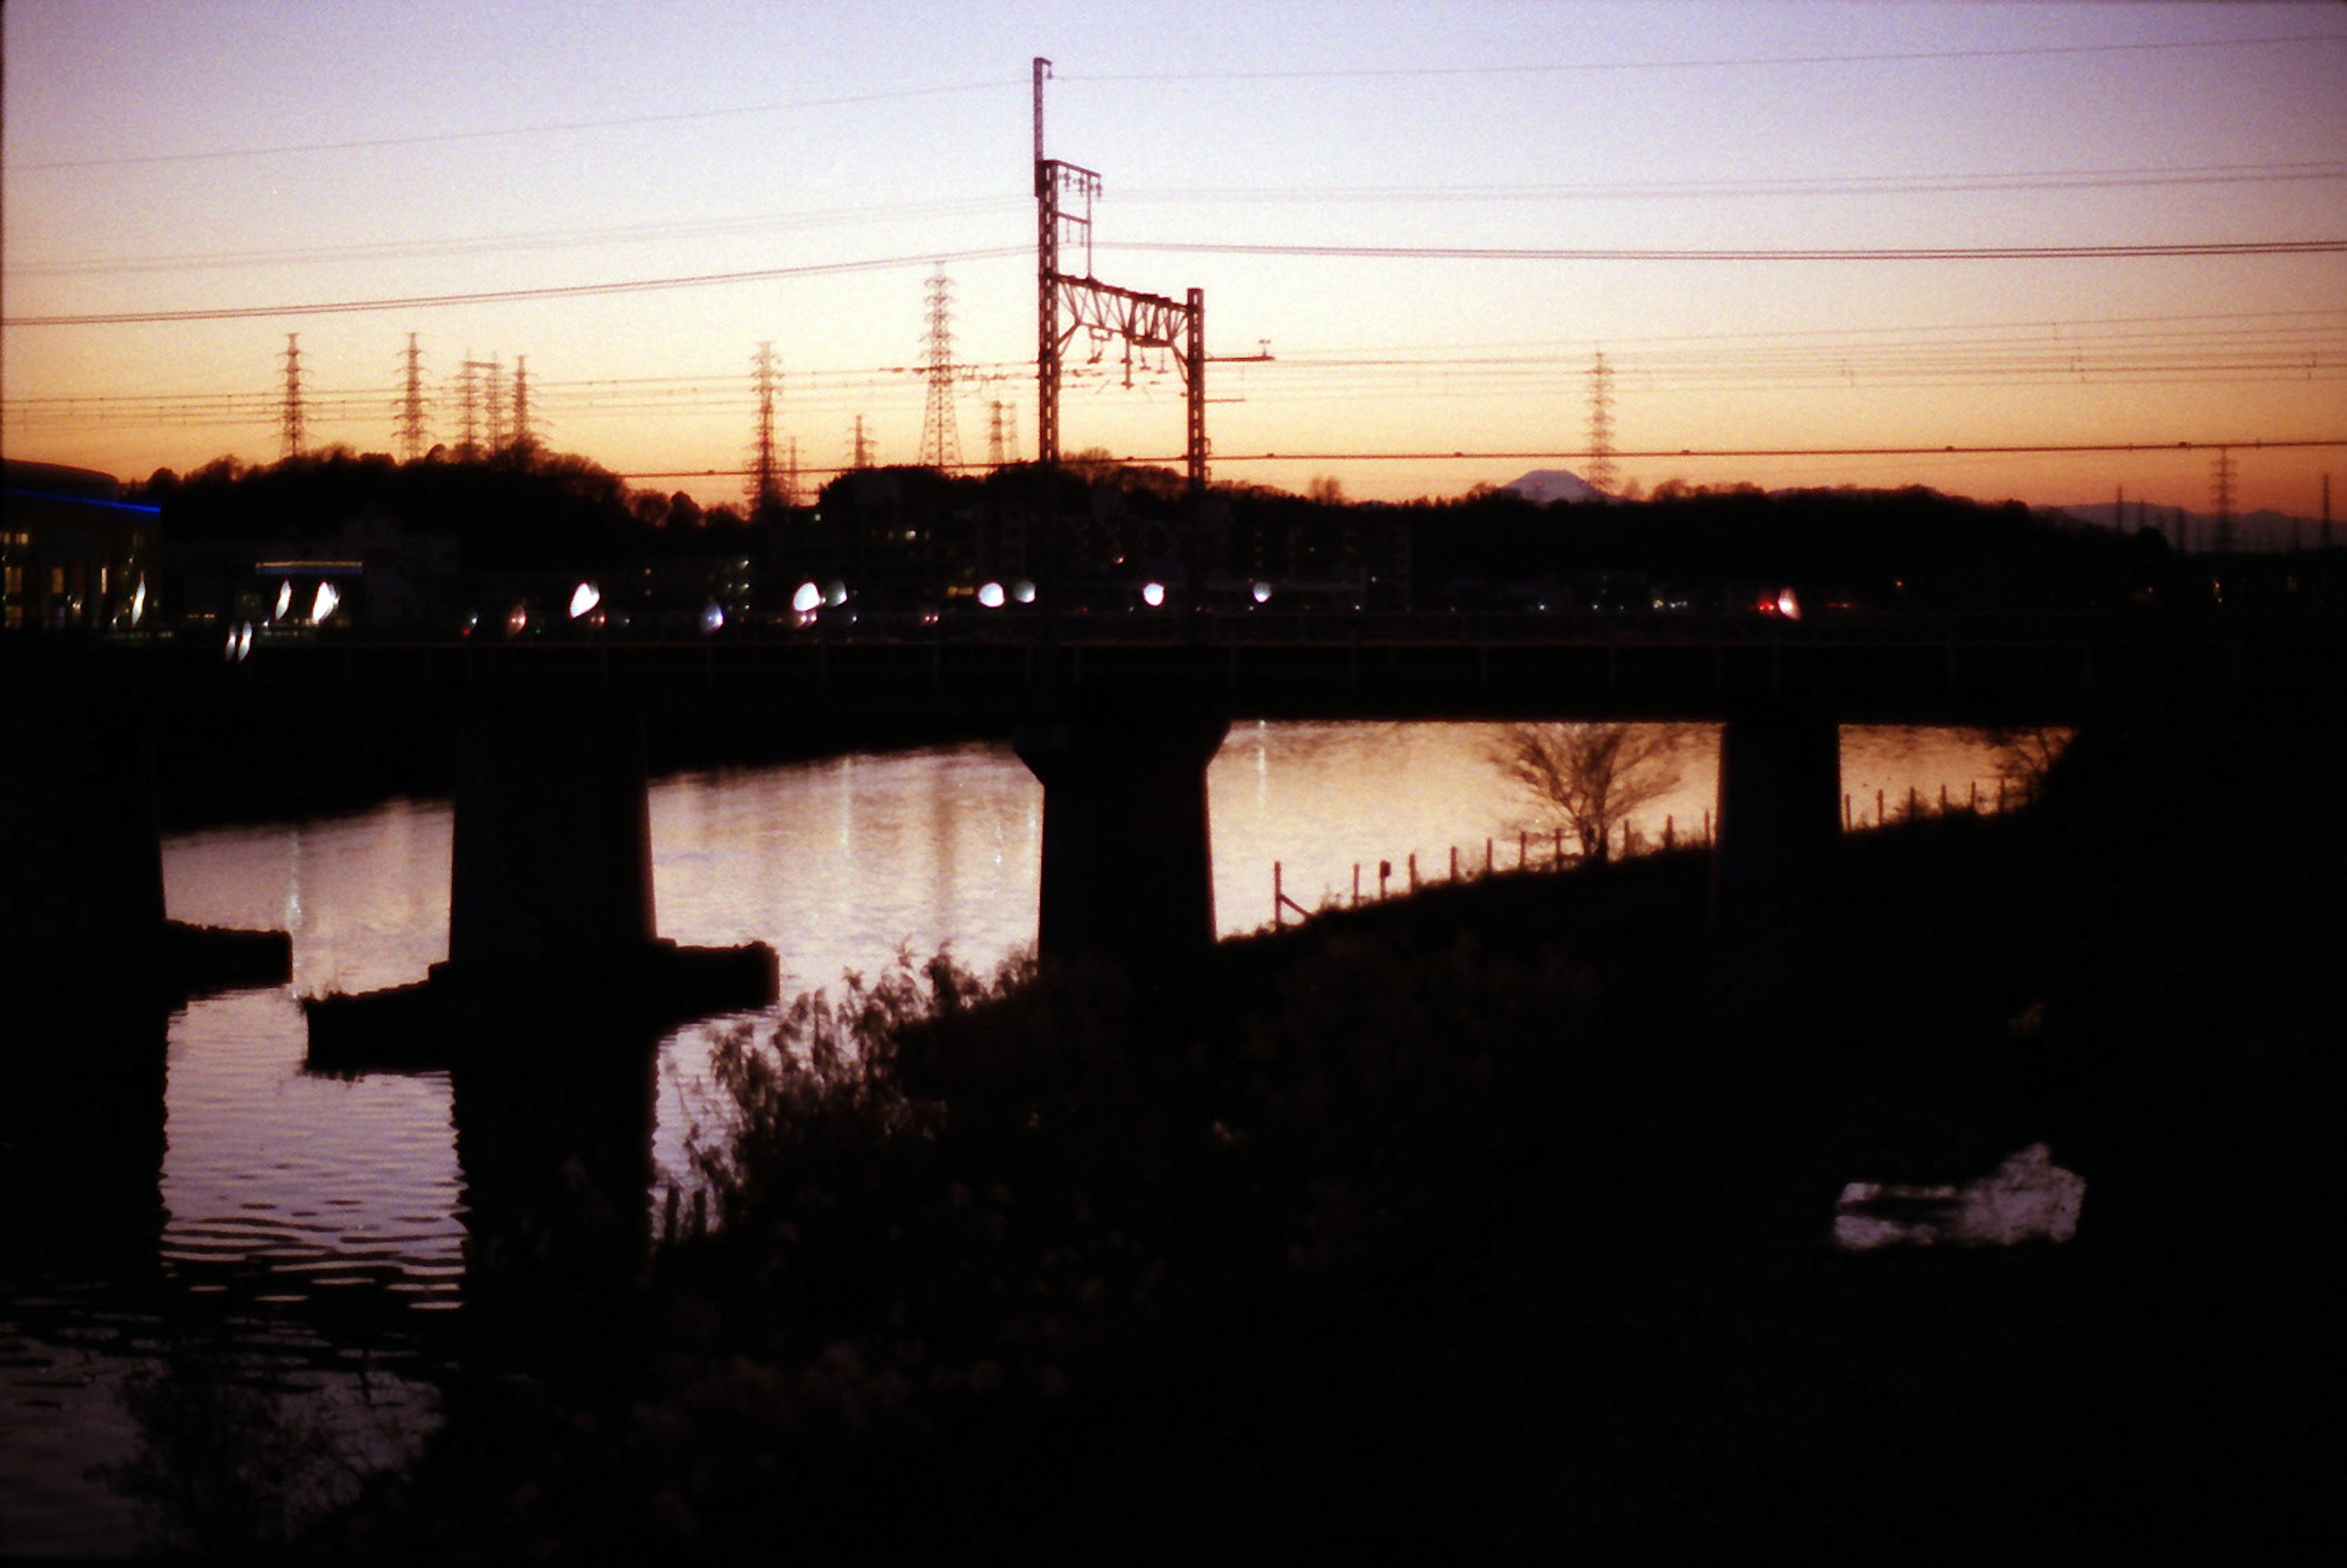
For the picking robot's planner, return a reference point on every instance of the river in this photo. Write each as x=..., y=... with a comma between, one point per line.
x=301, y=1246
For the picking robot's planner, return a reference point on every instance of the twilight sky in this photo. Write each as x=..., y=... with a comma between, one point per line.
x=233, y=165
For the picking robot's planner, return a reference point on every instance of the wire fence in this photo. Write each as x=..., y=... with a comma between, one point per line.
x=1560, y=849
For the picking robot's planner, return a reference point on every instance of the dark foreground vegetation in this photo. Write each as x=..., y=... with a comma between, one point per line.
x=1453, y=1226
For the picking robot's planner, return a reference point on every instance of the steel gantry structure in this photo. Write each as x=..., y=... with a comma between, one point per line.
x=1067, y=301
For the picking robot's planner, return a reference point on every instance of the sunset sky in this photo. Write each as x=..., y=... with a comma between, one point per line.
x=1646, y=168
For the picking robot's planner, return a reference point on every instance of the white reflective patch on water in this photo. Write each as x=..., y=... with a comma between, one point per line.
x=2027, y=1198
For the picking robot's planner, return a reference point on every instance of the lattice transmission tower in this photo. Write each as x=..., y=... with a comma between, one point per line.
x=496, y=400
x=940, y=441
x=1001, y=433
x=412, y=403
x=766, y=492
x=2221, y=480
x=291, y=425
x=468, y=409
x=1602, y=475
x=520, y=437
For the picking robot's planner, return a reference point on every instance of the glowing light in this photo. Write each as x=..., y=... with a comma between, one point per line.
x=1788, y=605
x=1262, y=593
x=323, y=604
x=1024, y=592
x=285, y=599
x=807, y=599
x=712, y=617
x=990, y=595
x=584, y=599
x=243, y=641
x=139, y=602
x=517, y=618
x=836, y=594
x=1152, y=594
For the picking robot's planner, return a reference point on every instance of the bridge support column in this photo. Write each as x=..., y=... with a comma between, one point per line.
x=1128, y=862
x=551, y=933
x=552, y=862
x=1772, y=874
x=82, y=921
x=81, y=855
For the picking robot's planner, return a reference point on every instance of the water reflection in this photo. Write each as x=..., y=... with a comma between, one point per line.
x=2026, y=1198
x=328, y=1239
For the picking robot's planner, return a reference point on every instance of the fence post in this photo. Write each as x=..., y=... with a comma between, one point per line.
x=1413, y=870
x=1357, y=883
x=1385, y=870
x=1454, y=863
x=1278, y=898
x=1487, y=858
x=1523, y=841
x=1670, y=832
x=1879, y=817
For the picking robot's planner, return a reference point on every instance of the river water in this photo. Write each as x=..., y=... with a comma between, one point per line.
x=301, y=1247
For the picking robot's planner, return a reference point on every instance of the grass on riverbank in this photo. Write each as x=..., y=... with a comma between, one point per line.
x=1431, y=1222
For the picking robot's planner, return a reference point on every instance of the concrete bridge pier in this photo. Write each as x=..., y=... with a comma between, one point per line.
x=81, y=852
x=82, y=921
x=1773, y=871
x=1128, y=860
x=551, y=926
x=552, y=862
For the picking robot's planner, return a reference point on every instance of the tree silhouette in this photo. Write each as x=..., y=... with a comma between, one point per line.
x=1590, y=777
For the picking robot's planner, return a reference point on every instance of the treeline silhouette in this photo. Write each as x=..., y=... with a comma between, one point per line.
x=918, y=535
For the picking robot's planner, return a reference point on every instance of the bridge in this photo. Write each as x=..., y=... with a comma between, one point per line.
x=1118, y=717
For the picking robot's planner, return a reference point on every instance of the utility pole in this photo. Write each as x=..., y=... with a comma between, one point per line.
x=940, y=440
x=860, y=449
x=412, y=404
x=290, y=422
x=1602, y=475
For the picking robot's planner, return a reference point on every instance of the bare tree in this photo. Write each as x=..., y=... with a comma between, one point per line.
x=1590, y=777
x=2025, y=753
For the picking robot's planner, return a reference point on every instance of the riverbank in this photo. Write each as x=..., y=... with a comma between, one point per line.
x=1447, y=1222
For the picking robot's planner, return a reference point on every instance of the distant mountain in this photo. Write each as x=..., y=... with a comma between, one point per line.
x=2261, y=530
x=1542, y=486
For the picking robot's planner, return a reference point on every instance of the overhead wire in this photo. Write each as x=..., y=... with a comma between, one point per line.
x=570, y=127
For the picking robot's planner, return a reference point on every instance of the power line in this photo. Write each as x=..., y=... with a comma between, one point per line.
x=1374, y=252
x=356, y=144
x=555, y=127
x=1838, y=185
x=987, y=206
x=501, y=296
x=2047, y=449
x=545, y=240
x=1921, y=253
x=1586, y=67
